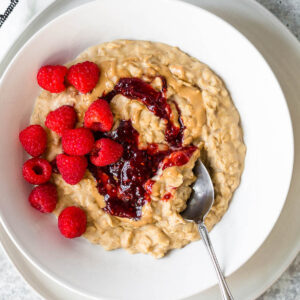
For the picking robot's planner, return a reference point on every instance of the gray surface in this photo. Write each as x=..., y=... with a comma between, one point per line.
x=288, y=286
x=13, y=287
x=287, y=11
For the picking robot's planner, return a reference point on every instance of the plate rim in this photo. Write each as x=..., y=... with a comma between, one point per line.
x=7, y=228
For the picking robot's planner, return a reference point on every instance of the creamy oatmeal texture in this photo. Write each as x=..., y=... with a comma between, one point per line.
x=211, y=123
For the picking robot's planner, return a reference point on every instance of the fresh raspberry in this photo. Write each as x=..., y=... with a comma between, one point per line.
x=106, y=152
x=44, y=197
x=84, y=76
x=51, y=78
x=34, y=140
x=99, y=117
x=37, y=170
x=79, y=141
x=62, y=118
x=71, y=168
x=72, y=222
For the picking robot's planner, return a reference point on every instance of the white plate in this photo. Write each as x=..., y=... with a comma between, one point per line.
x=258, y=124
x=272, y=39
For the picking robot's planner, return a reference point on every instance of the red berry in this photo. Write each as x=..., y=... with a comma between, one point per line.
x=44, y=197
x=37, y=170
x=79, y=141
x=64, y=117
x=106, y=152
x=34, y=139
x=51, y=78
x=72, y=222
x=84, y=76
x=99, y=117
x=71, y=168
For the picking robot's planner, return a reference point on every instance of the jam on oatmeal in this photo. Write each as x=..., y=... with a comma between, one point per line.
x=153, y=111
x=123, y=183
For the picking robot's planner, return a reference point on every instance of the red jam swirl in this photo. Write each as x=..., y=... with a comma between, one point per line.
x=155, y=101
x=179, y=158
x=126, y=185
x=122, y=183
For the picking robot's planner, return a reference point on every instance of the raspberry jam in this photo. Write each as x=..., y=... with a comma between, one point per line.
x=167, y=197
x=179, y=158
x=156, y=102
x=126, y=185
x=122, y=183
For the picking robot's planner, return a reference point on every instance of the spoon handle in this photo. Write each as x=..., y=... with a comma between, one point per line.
x=222, y=283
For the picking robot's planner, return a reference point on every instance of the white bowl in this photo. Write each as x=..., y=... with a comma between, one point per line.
x=256, y=205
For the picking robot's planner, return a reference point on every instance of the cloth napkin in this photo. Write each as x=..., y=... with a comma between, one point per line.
x=16, y=14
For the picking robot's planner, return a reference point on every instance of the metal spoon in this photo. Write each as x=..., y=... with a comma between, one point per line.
x=197, y=208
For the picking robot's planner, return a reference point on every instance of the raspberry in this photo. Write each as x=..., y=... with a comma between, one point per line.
x=106, y=152
x=71, y=168
x=34, y=139
x=72, y=222
x=79, y=141
x=37, y=170
x=51, y=78
x=99, y=117
x=64, y=117
x=84, y=76
x=44, y=197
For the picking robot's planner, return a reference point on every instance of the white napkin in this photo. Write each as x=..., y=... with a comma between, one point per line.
x=16, y=22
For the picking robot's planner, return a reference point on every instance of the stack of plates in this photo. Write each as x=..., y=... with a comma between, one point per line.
x=250, y=279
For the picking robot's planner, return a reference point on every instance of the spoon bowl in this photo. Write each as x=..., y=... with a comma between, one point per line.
x=203, y=195
x=197, y=208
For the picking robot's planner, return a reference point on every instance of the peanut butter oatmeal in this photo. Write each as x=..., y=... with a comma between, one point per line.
x=202, y=115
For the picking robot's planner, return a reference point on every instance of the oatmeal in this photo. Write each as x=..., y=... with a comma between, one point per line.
x=169, y=110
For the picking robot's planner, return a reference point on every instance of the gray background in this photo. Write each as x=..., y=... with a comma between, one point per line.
x=13, y=287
